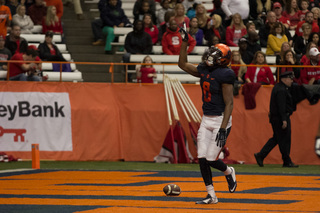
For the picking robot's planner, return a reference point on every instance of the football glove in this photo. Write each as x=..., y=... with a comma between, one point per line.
x=221, y=137
x=186, y=36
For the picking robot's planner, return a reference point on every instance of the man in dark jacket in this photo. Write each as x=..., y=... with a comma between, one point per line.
x=137, y=42
x=14, y=42
x=111, y=16
x=282, y=105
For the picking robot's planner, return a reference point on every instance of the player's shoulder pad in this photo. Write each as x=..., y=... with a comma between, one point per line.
x=227, y=75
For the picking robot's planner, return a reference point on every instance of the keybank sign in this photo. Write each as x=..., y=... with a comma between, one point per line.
x=44, y=117
x=25, y=109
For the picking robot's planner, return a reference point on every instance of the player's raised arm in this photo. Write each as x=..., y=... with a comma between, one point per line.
x=183, y=60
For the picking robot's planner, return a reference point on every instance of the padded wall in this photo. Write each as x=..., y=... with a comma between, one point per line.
x=129, y=122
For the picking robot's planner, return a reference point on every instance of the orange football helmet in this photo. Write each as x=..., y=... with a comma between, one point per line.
x=219, y=55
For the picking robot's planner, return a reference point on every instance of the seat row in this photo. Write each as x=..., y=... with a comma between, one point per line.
x=36, y=39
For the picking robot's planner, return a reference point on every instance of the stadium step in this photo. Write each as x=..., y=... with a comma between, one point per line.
x=78, y=37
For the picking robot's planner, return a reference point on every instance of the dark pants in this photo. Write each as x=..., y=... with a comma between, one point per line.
x=281, y=137
x=97, y=26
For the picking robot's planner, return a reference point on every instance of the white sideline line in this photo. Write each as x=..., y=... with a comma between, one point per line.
x=14, y=170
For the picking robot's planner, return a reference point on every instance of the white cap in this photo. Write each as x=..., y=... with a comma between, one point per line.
x=314, y=51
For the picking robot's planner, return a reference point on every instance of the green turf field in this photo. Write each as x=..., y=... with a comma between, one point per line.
x=148, y=166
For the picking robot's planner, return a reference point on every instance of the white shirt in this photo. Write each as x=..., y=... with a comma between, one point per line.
x=231, y=7
x=256, y=75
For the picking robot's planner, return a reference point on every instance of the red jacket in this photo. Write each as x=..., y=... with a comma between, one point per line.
x=308, y=72
x=171, y=42
x=315, y=28
x=230, y=35
x=265, y=75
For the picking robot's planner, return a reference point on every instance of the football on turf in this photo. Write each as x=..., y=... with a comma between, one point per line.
x=172, y=190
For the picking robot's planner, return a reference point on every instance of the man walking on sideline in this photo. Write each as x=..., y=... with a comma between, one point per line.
x=281, y=108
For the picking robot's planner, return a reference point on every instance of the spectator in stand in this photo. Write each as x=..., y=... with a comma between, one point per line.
x=14, y=42
x=146, y=73
x=50, y=52
x=38, y=69
x=52, y=22
x=301, y=42
x=305, y=58
x=173, y=3
x=292, y=13
x=18, y=70
x=57, y=4
x=253, y=44
x=235, y=31
x=230, y=7
x=163, y=27
x=12, y=4
x=309, y=18
x=304, y=4
x=192, y=11
x=150, y=28
x=250, y=26
x=265, y=29
x=180, y=17
x=203, y=18
x=277, y=9
x=214, y=40
x=316, y=13
x=37, y=11
x=137, y=41
x=284, y=47
x=246, y=56
x=23, y=20
x=261, y=9
x=161, y=12
x=111, y=17
x=218, y=10
x=276, y=38
x=215, y=28
x=171, y=41
x=195, y=32
x=138, y=5
x=188, y=4
x=239, y=71
x=289, y=58
x=311, y=75
x=314, y=37
x=261, y=73
x=5, y=19
x=145, y=9
x=5, y=54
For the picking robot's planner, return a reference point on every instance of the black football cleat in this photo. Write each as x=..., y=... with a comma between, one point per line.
x=208, y=200
x=231, y=179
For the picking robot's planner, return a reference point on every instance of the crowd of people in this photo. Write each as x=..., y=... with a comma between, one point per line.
x=30, y=17
x=250, y=25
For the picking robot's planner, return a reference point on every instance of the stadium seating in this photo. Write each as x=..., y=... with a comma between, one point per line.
x=36, y=39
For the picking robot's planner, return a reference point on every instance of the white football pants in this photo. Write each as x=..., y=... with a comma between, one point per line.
x=207, y=145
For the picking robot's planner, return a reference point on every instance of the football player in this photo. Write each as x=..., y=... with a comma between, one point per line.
x=216, y=81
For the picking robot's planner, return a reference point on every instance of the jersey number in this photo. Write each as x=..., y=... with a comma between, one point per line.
x=206, y=91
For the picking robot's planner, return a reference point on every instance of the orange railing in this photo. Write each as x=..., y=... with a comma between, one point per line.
x=112, y=65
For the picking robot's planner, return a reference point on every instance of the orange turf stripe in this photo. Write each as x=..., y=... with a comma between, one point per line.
x=251, y=195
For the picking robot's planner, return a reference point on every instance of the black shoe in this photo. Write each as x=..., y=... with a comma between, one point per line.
x=258, y=159
x=290, y=165
x=208, y=200
x=231, y=179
